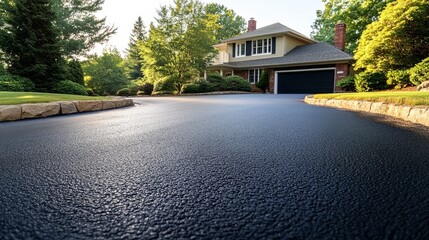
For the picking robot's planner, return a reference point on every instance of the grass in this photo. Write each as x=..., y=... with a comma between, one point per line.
x=403, y=98
x=11, y=98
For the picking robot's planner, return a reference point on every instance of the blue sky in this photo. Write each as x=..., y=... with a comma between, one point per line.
x=296, y=14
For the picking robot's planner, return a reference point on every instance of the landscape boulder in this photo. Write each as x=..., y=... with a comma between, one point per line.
x=67, y=108
x=88, y=106
x=10, y=113
x=423, y=87
x=38, y=110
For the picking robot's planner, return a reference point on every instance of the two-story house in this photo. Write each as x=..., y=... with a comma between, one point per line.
x=295, y=63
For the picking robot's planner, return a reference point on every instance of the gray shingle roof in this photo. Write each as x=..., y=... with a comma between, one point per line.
x=307, y=54
x=273, y=29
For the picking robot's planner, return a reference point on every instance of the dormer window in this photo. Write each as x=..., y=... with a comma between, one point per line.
x=262, y=46
x=240, y=50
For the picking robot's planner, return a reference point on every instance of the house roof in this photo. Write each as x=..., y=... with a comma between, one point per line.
x=318, y=53
x=273, y=29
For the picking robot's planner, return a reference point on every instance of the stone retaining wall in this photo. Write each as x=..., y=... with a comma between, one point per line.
x=415, y=114
x=38, y=110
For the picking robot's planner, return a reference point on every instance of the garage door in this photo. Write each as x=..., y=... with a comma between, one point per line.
x=320, y=81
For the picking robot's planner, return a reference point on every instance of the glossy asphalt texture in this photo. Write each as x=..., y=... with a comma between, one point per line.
x=213, y=167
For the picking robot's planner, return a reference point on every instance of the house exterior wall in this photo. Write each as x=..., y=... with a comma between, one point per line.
x=291, y=43
x=341, y=71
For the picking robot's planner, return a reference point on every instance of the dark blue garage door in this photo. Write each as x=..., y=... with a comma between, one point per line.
x=320, y=81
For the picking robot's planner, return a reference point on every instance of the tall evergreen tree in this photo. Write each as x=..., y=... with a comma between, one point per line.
x=134, y=61
x=31, y=44
x=79, y=27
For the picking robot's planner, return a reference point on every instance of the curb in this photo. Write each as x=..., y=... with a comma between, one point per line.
x=41, y=110
x=415, y=114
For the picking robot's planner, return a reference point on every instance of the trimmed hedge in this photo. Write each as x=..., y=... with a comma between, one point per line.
x=420, y=72
x=191, y=88
x=124, y=92
x=369, y=81
x=217, y=82
x=398, y=78
x=69, y=87
x=13, y=83
x=347, y=83
x=236, y=83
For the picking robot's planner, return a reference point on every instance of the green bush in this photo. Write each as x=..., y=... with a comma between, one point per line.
x=370, y=81
x=191, y=88
x=69, y=87
x=398, y=78
x=347, y=83
x=420, y=72
x=263, y=81
x=133, y=89
x=146, y=89
x=15, y=83
x=74, y=72
x=204, y=86
x=165, y=85
x=90, y=92
x=217, y=82
x=236, y=83
x=123, y=92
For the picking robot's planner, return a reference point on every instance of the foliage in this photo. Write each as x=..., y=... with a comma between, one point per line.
x=75, y=72
x=398, y=40
x=230, y=24
x=80, y=28
x=180, y=43
x=123, y=92
x=347, y=83
x=420, y=72
x=134, y=60
x=356, y=14
x=15, y=84
x=236, y=83
x=165, y=85
x=90, y=92
x=69, y=87
x=398, y=78
x=263, y=81
x=191, y=88
x=147, y=88
x=30, y=43
x=217, y=82
x=106, y=73
x=369, y=81
x=11, y=98
x=204, y=86
x=423, y=85
x=397, y=97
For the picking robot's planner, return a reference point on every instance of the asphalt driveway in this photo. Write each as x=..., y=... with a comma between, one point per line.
x=213, y=167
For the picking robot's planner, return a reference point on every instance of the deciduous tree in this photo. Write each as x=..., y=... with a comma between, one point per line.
x=230, y=24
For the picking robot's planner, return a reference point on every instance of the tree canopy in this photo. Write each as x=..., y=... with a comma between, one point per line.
x=398, y=40
x=79, y=28
x=180, y=44
x=134, y=60
x=30, y=42
x=230, y=23
x=356, y=14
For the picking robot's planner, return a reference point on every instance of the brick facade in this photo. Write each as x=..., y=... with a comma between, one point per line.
x=271, y=76
x=340, y=36
x=342, y=70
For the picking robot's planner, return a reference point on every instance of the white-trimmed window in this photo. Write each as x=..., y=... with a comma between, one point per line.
x=262, y=46
x=240, y=49
x=254, y=75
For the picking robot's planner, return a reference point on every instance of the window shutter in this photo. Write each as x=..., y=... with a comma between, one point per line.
x=249, y=48
x=233, y=50
x=273, y=47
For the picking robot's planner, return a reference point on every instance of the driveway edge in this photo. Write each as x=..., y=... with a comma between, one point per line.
x=415, y=114
x=40, y=110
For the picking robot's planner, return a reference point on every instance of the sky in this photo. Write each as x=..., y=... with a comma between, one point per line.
x=296, y=14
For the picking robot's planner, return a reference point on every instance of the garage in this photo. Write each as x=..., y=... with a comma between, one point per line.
x=306, y=81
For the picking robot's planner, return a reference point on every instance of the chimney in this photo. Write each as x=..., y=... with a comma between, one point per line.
x=340, y=36
x=251, y=25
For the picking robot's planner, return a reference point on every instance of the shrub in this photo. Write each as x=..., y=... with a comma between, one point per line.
x=123, y=92
x=146, y=89
x=420, y=72
x=165, y=85
x=263, y=81
x=90, y=92
x=369, y=81
x=133, y=89
x=217, y=82
x=236, y=83
x=15, y=83
x=191, y=88
x=398, y=78
x=204, y=86
x=347, y=83
x=69, y=87
x=74, y=72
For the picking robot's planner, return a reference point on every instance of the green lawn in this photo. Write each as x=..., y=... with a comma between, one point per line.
x=10, y=98
x=405, y=98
